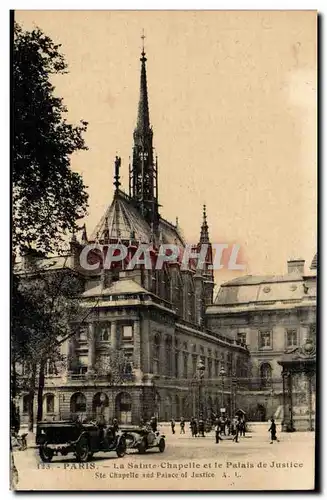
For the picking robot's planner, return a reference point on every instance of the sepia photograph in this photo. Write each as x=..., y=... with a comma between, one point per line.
x=164, y=250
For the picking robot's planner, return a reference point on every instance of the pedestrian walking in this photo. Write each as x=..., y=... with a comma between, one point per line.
x=217, y=431
x=182, y=425
x=242, y=427
x=222, y=425
x=172, y=424
x=201, y=426
x=194, y=427
x=273, y=432
x=237, y=430
x=227, y=426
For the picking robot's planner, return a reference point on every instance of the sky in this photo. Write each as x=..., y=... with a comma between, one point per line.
x=233, y=105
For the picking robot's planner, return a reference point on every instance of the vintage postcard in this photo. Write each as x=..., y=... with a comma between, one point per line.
x=164, y=269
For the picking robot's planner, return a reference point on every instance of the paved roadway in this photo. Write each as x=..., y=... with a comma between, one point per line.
x=187, y=463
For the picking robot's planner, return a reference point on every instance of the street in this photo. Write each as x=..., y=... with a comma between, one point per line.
x=187, y=463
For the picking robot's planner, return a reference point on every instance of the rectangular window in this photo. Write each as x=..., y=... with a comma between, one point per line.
x=103, y=332
x=127, y=333
x=265, y=339
x=50, y=403
x=82, y=364
x=156, y=366
x=194, y=363
x=209, y=368
x=291, y=337
x=241, y=336
x=50, y=368
x=82, y=333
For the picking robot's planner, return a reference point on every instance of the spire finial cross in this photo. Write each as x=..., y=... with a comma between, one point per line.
x=143, y=38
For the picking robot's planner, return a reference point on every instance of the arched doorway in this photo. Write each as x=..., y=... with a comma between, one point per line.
x=123, y=408
x=78, y=404
x=100, y=406
x=261, y=413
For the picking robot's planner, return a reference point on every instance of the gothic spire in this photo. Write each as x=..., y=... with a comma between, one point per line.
x=204, y=236
x=143, y=119
x=143, y=172
x=143, y=128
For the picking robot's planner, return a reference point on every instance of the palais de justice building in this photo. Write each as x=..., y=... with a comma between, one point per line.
x=155, y=341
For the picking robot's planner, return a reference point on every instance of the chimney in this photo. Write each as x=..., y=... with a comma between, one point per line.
x=295, y=266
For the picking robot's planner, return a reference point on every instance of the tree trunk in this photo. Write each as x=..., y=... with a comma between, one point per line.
x=13, y=380
x=39, y=415
x=31, y=399
x=14, y=408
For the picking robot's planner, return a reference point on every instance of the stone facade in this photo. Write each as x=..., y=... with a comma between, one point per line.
x=271, y=314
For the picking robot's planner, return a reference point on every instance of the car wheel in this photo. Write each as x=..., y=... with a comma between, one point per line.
x=162, y=445
x=142, y=446
x=121, y=448
x=46, y=454
x=82, y=450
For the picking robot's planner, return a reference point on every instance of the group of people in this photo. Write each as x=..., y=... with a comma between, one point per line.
x=197, y=427
x=181, y=424
x=226, y=426
x=223, y=425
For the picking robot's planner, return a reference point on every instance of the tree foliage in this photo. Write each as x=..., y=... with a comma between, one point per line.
x=114, y=365
x=48, y=197
x=45, y=305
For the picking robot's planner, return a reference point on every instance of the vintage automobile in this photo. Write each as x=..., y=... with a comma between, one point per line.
x=143, y=438
x=82, y=439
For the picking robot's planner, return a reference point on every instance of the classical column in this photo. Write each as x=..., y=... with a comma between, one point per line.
x=138, y=372
x=177, y=371
x=290, y=400
x=113, y=335
x=70, y=347
x=91, y=349
x=137, y=344
x=285, y=412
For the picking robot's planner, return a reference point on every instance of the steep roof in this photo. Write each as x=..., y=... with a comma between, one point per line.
x=117, y=288
x=122, y=221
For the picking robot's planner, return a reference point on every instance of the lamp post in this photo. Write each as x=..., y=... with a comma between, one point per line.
x=222, y=374
x=200, y=369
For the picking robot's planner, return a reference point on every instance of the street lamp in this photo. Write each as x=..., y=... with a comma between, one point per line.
x=200, y=369
x=222, y=374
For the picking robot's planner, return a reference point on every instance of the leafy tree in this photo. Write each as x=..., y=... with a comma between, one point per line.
x=48, y=200
x=114, y=366
x=50, y=302
x=48, y=197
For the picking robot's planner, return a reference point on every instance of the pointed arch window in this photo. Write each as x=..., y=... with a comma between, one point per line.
x=156, y=355
x=265, y=375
